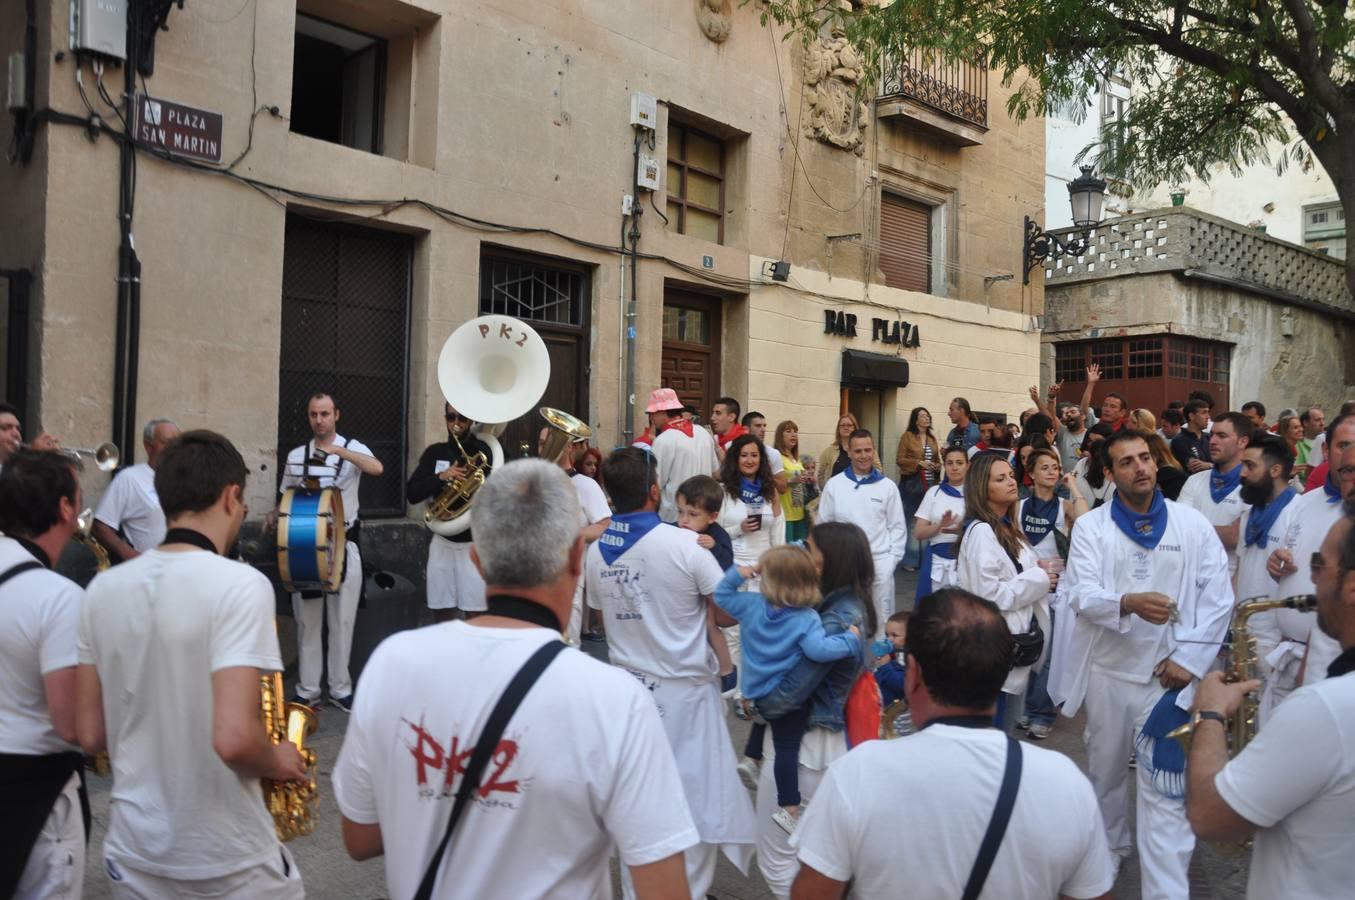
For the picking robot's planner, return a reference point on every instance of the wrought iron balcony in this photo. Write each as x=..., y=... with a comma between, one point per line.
x=946, y=95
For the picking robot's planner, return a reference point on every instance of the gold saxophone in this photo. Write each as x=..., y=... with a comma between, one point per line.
x=99, y=764
x=293, y=805
x=1242, y=667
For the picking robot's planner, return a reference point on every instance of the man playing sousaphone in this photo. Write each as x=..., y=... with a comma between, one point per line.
x=329, y=460
x=453, y=581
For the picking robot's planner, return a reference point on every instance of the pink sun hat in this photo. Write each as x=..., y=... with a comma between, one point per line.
x=663, y=400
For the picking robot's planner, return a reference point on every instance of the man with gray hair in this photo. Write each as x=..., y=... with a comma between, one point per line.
x=581, y=767
x=129, y=506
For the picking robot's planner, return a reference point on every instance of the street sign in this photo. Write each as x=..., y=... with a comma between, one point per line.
x=181, y=130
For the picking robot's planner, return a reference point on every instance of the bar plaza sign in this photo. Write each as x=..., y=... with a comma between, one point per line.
x=886, y=331
x=178, y=129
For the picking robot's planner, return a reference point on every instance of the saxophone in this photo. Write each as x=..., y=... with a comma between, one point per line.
x=293, y=805
x=1242, y=666
x=100, y=763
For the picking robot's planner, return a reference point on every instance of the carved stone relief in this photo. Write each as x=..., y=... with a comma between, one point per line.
x=833, y=73
x=715, y=18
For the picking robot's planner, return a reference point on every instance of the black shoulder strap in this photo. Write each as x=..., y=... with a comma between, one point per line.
x=19, y=569
x=484, y=750
x=997, y=826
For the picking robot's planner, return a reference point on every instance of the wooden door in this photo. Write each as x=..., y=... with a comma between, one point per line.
x=691, y=347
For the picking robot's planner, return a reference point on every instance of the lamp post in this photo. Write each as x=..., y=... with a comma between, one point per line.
x=1085, y=194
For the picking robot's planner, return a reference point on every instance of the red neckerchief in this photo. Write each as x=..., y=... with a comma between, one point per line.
x=645, y=438
x=734, y=432
x=680, y=424
x=981, y=445
x=1120, y=423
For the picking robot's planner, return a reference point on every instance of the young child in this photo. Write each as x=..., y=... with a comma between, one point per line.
x=889, y=670
x=780, y=625
x=698, y=503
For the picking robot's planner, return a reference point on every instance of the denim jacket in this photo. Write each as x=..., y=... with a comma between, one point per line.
x=824, y=686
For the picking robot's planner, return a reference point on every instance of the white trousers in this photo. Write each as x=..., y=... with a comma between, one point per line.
x=575, y=628
x=1116, y=711
x=882, y=592
x=56, y=865
x=341, y=610
x=699, y=861
x=453, y=580
x=275, y=880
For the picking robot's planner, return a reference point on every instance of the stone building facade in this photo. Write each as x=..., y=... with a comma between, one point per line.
x=392, y=168
x=1174, y=300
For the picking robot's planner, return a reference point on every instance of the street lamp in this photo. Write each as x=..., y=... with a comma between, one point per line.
x=1085, y=194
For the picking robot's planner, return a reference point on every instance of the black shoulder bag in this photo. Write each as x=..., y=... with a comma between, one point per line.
x=484, y=750
x=997, y=825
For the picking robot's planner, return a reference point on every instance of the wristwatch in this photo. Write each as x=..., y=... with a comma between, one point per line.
x=1208, y=715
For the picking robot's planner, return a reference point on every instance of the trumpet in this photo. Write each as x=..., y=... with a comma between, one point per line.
x=106, y=456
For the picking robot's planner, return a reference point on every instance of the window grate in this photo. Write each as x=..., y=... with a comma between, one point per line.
x=345, y=331
x=531, y=291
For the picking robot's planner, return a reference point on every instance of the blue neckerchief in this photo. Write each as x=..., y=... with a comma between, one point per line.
x=1038, y=517
x=624, y=532
x=1144, y=529
x=1221, y=484
x=950, y=491
x=750, y=490
x=1164, y=758
x=1331, y=487
x=1262, y=517
x=874, y=476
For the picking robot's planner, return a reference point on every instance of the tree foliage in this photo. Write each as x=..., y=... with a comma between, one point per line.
x=1217, y=81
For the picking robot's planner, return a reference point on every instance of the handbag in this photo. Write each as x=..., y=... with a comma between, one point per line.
x=1029, y=644
x=484, y=750
x=862, y=710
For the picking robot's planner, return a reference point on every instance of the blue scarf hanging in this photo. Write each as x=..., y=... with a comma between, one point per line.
x=1262, y=517
x=1164, y=758
x=874, y=476
x=951, y=490
x=1038, y=517
x=624, y=532
x=1221, y=484
x=1144, y=529
x=1332, y=488
x=750, y=491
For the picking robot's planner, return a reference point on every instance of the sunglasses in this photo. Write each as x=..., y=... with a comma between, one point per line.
x=457, y=417
x=1316, y=563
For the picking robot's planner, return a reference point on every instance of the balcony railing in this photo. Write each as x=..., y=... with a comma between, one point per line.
x=956, y=89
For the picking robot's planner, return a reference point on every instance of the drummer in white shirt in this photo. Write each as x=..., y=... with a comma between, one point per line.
x=129, y=503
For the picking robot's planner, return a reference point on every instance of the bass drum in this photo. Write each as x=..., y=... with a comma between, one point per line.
x=311, y=539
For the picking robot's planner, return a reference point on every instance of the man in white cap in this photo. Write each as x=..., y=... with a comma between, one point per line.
x=681, y=450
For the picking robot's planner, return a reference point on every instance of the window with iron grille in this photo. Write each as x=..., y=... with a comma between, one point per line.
x=696, y=183
x=527, y=289
x=1145, y=357
x=1070, y=363
x=1178, y=358
x=1109, y=355
x=345, y=332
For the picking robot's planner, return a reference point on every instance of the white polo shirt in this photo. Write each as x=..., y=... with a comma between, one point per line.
x=130, y=503
x=1296, y=782
x=906, y=818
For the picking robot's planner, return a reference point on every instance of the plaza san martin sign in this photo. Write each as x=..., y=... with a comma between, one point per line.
x=179, y=129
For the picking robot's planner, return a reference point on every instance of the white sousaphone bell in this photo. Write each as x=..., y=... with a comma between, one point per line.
x=492, y=369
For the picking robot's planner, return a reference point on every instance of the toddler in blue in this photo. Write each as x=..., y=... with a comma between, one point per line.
x=778, y=627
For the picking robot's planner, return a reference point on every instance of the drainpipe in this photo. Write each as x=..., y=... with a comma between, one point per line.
x=126, y=352
x=628, y=433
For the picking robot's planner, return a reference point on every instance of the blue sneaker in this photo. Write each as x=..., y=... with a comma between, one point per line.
x=343, y=703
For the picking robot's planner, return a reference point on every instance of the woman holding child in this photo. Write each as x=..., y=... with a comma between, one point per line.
x=841, y=555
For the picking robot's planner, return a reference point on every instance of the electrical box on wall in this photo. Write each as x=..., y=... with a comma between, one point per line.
x=648, y=176
x=644, y=111
x=99, y=26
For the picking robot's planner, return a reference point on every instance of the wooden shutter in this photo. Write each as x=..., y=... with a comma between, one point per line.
x=905, y=243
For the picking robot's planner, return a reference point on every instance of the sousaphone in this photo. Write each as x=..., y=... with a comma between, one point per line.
x=491, y=370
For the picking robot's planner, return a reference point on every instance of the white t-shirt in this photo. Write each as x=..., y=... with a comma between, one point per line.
x=130, y=503
x=934, y=507
x=653, y=601
x=680, y=457
x=592, y=501
x=946, y=778
x=1195, y=493
x=1296, y=781
x=750, y=545
x=1253, y=581
x=156, y=628
x=335, y=472
x=1048, y=547
x=39, y=617
x=774, y=459
x=583, y=767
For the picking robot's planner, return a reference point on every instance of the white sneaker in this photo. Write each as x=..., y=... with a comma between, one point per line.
x=785, y=821
x=1038, y=731
x=749, y=771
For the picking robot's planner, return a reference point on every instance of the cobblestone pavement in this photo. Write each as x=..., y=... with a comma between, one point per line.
x=329, y=873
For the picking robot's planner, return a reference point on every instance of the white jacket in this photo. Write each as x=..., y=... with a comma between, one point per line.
x=1204, y=599
x=679, y=458
x=986, y=569
x=875, y=508
x=749, y=547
